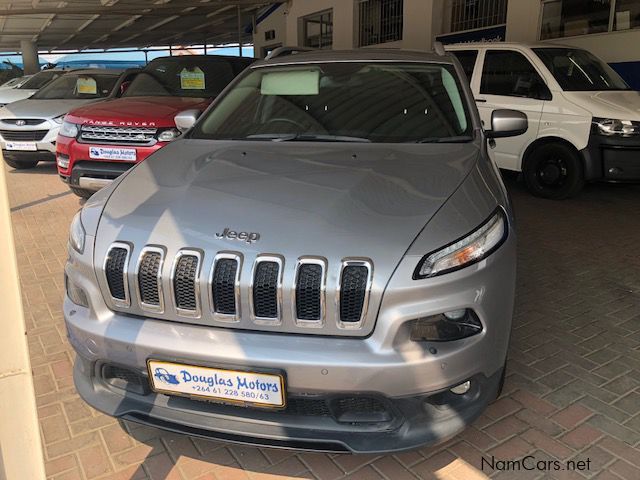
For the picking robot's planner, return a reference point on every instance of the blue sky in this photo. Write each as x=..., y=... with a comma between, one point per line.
x=130, y=56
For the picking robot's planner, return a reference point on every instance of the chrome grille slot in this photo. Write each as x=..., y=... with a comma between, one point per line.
x=225, y=286
x=354, y=287
x=118, y=135
x=184, y=282
x=149, y=280
x=309, y=291
x=266, y=289
x=115, y=272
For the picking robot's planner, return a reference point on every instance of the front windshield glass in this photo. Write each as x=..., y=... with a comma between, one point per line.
x=77, y=87
x=579, y=71
x=40, y=79
x=366, y=102
x=202, y=77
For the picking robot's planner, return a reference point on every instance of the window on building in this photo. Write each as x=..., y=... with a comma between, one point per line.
x=567, y=18
x=380, y=21
x=468, y=60
x=627, y=14
x=510, y=74
x=472, y=14
x=318, y=30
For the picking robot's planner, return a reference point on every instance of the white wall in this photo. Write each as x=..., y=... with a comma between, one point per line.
x=611, y=47
x=523, y=20
x=276, y=21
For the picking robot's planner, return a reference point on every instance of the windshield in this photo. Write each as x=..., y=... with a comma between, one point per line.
x=579, y=71
x=77, y=87
x=184, y=76
x=40, y=79
x=368, y=102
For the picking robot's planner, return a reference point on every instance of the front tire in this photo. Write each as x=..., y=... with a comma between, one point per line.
x=20, y=164
x=81, y=192
x=553, y=171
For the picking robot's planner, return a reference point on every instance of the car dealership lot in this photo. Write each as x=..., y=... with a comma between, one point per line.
x=572, y=391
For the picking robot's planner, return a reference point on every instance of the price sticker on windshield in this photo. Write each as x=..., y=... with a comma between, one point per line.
x=192, y=79
x=86, y=86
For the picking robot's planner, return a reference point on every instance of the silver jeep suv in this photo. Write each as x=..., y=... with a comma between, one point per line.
x=325, y=261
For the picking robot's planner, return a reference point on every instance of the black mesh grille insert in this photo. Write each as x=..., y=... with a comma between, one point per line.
x=23, y=135
x=223, y=286
x=308, y=295
x=352, y=292
x=265, y=290
x=148, y=278
x=114, y=271
x=184, y=282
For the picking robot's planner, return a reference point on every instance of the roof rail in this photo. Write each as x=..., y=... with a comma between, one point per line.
x=284, y=51
x=438, y=47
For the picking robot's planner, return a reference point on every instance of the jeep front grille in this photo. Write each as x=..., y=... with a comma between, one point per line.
x=224, y=293
x=115, y=271
x=118, y=135
x=185, y=283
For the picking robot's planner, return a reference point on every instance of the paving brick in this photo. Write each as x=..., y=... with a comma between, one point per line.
x=322, y=466
x=572, y=415
x=625, y=470
x=506, y=428
x=547, y=443
x=533, y=402
x=581, y=436
x=94, y=461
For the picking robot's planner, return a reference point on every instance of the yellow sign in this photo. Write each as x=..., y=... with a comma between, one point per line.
x=86, y=86
x=192, y=79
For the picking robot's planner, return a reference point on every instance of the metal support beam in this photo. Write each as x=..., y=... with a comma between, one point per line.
x=29, y=57
x=239, y=31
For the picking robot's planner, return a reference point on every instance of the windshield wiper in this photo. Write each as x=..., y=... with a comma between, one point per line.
x=462, y=139
x=305, y=137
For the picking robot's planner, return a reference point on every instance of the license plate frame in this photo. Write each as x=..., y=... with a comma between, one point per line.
x=224, y=371
x=124, y=154
x=21, y=146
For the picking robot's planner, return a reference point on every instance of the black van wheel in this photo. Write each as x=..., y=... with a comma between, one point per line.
x=554, y=171
x=19, y=164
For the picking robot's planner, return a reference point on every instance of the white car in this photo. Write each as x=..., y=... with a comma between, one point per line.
x=584, y=120
x=29, y=127
x=28, y=88
x=15, y=82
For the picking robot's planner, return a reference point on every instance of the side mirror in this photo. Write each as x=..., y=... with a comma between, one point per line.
x=507, y=123
x=124, y=86
x=187, y=119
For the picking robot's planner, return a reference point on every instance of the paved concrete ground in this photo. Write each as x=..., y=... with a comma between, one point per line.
x=572, y=391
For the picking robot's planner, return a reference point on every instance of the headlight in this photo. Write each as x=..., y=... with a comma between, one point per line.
x=471, y=249
x=69, y=129
x=77, y=234
x=59, y=119
x=169, y=134
x=610, y=127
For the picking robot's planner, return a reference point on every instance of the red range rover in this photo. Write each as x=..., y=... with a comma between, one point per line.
x=98, y=143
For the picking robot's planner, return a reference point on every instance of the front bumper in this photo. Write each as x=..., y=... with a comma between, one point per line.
x=45, y=147
x=389, y=424
x=615, y=159
x=90, y=173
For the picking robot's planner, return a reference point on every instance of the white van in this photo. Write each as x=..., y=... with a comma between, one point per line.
x=584, y=120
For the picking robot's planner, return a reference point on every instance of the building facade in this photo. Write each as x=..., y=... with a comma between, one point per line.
x=608, y=28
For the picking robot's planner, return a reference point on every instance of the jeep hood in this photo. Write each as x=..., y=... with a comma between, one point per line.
x=333, y=200
x=151, y=110
x=619, y=104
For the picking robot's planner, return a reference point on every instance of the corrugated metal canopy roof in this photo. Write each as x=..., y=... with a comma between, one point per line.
x=102, y=24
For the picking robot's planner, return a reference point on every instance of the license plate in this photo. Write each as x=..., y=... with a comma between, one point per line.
x=111, y=153
x=217, y=384
x=24, y=146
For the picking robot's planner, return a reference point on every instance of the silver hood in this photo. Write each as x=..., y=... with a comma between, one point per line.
x=304, y=199
x=35, y=108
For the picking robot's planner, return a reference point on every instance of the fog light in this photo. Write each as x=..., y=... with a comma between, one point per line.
x=462, y=388
x=455, y=314
x=446, y=327
x=75, y=293
x=62, y=160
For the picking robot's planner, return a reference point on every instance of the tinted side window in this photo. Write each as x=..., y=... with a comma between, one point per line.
x=511, y=74
x=468, y=60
